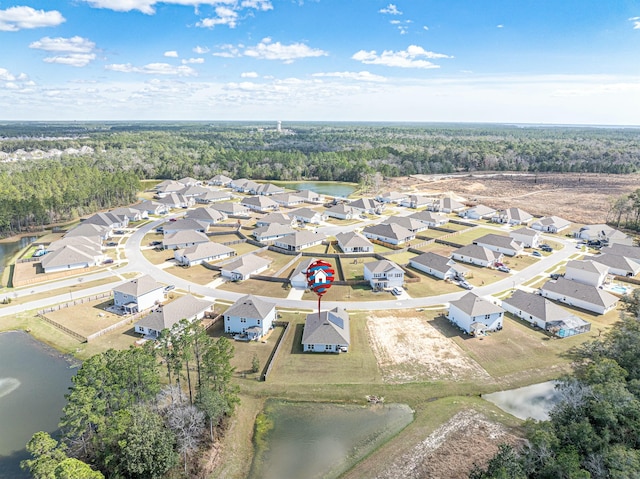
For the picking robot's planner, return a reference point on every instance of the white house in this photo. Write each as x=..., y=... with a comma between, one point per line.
x=476, y=315
x=213, y=196
x=383, y=274
x=277, y=218
x=202, y=253
x=184, y=239
x=261, y=204
x=512, y=216
x=326, y=332
x=352, y=242
x=500, y=244
x=267, y=189
x=150, y=208
x=618, y=265
x=529, y=238
x=165, y=316
x=439, y=266
x=311, y=196
x=366, y=205
x=307, y=215
x=478, y=255
x=250, y=316
x=138, y=294
x=243, y=185
x=298, y=278
x=446, y=205
x=175, y=200
x=581, y=295
x=185, y=224
x=430, y=218
x=478, y=212
x=388, y=233
x=631, y=252
x=550, y=224
x=341, y=212
x=220, y=180
x=412, y=224
x=70, y=257
x=586, y=272
x=132, y=214
x=272, y=232
x=243, y=267
x=416, y=201
x=300, y=240
x=605, y=234
x=204, y=215
x=288, y=200
x=391, y=197
x=232, y=210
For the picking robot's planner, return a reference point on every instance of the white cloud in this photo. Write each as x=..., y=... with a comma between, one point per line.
x=360, y=76
x=425, y=27
x=72, y=59
x=153, y=69
x=225, y=16
x=200, y=50
x=171, y=54
x=267, y=50
x=72, y=45
x=249, y=75
x=500, y=26
x=192, y=61
x=636, y=22
x=390, y=9
x=19, y=18
x=408, y=58
x=263, y=5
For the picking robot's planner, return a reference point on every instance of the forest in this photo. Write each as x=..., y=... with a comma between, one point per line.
x=116, y=155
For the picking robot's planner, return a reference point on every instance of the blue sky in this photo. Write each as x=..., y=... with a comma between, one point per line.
x=522, y=61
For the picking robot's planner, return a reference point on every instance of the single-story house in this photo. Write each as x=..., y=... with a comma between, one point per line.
x=250, y=316
x=412, y=224
x=391, y=197
x=311, y=196
x=500, y=244
x=261, y=204
x=132, y=214
x=109, y=220
x=581, y=295
x=243, y=267
x=272, y=232
x=276, y=218
x=307, y=215
x=138, y=294
x=605, y=234
x=550, y=224
x=267, y=189
x=430, y=218
x=232, y=210
x=288, y=200
x=213, y=196
x=478, y=212
x=366, y=206
x=189, y=181
x=544, y=314
x=416, y=201
x=631, y=252
x=586, y=272
x=186, y=224
x=89, y=230
x=220, y=180
x=171, y=185
x=203, y=215
x=352, y=242
x=243, y=185
x=326, y=332
x=475, y=315
x=476, y=254
x=175, y=200
x=298, y=278
x=183, y=239
x=70, y=257
x=202, y=253
x=618, y=265
x=193, y=191
x=341, y=212
x=529, y=238
x=151, y=208
x=512, y=216
x=439, y=266
x=393, y=234
x=300, y=240
x=165, y=316
x=446, y=205
x=383, y=274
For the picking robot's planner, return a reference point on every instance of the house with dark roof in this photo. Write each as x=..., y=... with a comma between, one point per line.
x=388, y=233
x=550, y=224
x=300, y=240
x=430, y=218
x=412, y=224
x=202, y=253
x=383, y=274
x=439, y=266
x=165, y=316
x=261, y=204
x=250, y=317
x=183, y=239
x=341, y=212
x=477, y=255
x=580, y=295
x=475, y=315
x=352, y=242
x=512, y=216
x=243, y=267
x=544, y=314
x=586, y=272
x=618, y=265
x=446, y=205
x=529, y=238
x=500, y=244
x=326, y=332
x=138, y=294
x=272, y=232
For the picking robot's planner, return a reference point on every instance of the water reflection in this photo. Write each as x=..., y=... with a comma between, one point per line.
x=8, y=249
x=535, y=401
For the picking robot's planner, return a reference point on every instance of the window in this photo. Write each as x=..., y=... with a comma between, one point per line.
x=487, y=316
x=259, y=322
x=310, y=347
x=243, y=320
x=328, y=347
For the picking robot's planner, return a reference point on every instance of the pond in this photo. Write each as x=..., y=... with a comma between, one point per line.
x=297, y=440
x=329, y=188
x=8, y=249
x=33, y=382
x=535, y=401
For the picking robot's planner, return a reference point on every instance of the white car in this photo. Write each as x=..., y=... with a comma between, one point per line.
x=397, y=291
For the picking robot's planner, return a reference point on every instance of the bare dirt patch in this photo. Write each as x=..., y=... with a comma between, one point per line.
x=408, y=349
x=451, y=451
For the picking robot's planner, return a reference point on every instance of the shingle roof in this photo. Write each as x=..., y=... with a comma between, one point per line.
x=67, y=255
x=276, y=218
x=583, y=292
x=250, y=306
x=437, y=262
x=498, y=241
x=407, y=222
x=165, y=316
x=329, y=327
x=474, y=305
x=525, y=232
x=515, y=213
x=139, y=286
x=382, y=266
x=186, y=224
x=482, y=210
x=632, y=252
x=351, y=239
x=205, y=214
x=553, y=221
x=617, y=262
x=305, y=213
x=246, y=264
x=477, y=252
x=429, y=217
x=301, y=238
x=389, y=231
x=230, y=208
x=259, y=201
x=587, y=266
x=185, y=236
x=272, y=229
x=341, y=209
x=205, y=250
x=537, y=306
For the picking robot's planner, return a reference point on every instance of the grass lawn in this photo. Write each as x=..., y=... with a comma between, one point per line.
x=150, y=237
x=320, y=248
x=155, y=256
x=456, y=227
x=432, y=233
x=430, y=286
x=479, y=276
x=520, y=262
x=377, y=248
x=278, y=261
x=226, y=238
x=87, y=318
x=339, y=222
x=350, y=293
x=353, y=270
x=437, y=248
x=58, y=291
x=470, y=235
x=196, y=274
x=254, y=286
x=401, y=258
x=295, y=367
x=243, y=248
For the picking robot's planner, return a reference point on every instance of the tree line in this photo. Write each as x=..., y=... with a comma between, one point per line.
x=594, y=431
x=123, y=420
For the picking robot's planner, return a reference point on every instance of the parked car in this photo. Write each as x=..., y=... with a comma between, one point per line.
x=504, y=269
x=556, y=275
x=107, y=261
x=536, y=253
x=546, y=247
x=118, y=232
x=173, y=219
x=170, y=287
x=498, y=265
x=465, y=285
x=112, y=243
x=396, y=291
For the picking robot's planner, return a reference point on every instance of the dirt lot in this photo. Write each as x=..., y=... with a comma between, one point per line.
x=581, y=198
x=451, y=450
x=408, y=348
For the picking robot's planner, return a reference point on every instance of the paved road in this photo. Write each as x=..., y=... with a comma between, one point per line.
x=137, y=263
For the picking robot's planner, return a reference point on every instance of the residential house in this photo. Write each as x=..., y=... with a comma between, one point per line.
x=243, y=185
x=204, y=215
x=90, y=230
x=586, y=272
x=132, y=214
x=512, y=216
x=618, y=265
x=176, y=200
x=544, y=314
x=391, y=197
x=267, y=189
x=446, y=205
x=477, y=255
x=475, y=315
x=214, y=196
x=478, y=212
x=65, y=257
x=185, y=224
x=439, y=266
x=250, y=316
x=307, y=215
x=605, y=234
x=529, y=238
x=366, y=206
x=167, y=187
x=261, y=204
x=580, y=295
x=392, y=234
x=383, y=274
x=631, y=252
x=412, y=224
x=232, y=210
x=416, y=201
x=300, y=240
x=500, y=244
x=151, y=208
x=341, y=212
x=165, y=316
x=311, y=196
x=352, y=242
x=193, y=191
x=298, y=278
x=183, y=239
x=326, y=332
x=272, y=232
x=288, y=200
x=430, y=218
x=220, y=180
x=108, y=220
x=189, y=181
x=550, y=224
x=243, y=267
x=138, y=294
x=276, y=218
x=202, y=253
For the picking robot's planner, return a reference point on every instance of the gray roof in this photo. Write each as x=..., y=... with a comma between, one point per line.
x=437, y=262
x=173, y=199
x=584, y=292
x=632, y=252
x=515, y=213
x=341, y=209
x=68, y=255
x=301, y=238
x=213, y=195
x=382, y=266
x=275, y=218
x=86, y=243
x=230, y=208
x=351, y=239
x=389, y=231
x=617, y=262
x=139, y=286
x=588, y=266
x=553, y=221
x=305, y=213
x=302, y=266
x=165, y=316
x=273, y=229
x=146, y=205
x=284, y=198
x=186, y=224
x=205, y=250
x=449, y=204
x=251, y=307
x=477, y=252
x=222, y=179
x=308, y=194
x=105, y=219
x=525, y=232
x=268, y=188
x=539, y=307
x=246, y=264
x=365, y=204
x=429, y=217
x=259, y=201
x=475, y=305
x=498, y=241
x=87, y=229
x=193, y=190
x=185, y=236
x=482, y=210
x=205, y=214
x=407, y=222
x=328, y=327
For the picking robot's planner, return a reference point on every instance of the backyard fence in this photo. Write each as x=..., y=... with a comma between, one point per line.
x=276, y=350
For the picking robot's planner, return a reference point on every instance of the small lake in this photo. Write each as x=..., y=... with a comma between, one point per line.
x=329, y=188
x=535, y=401
x=33, y=381
x=320, y=440
x=7, y=250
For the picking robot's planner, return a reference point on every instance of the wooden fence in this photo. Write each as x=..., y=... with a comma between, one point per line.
x=59, y=326
x=276, y=350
